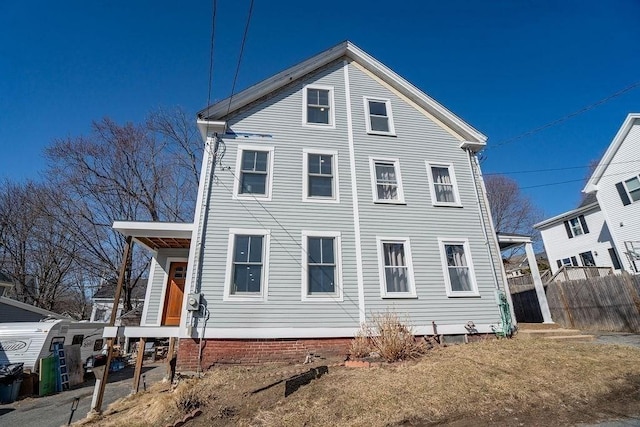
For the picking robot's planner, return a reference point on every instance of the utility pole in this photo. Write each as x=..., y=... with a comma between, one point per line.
x=101, y=377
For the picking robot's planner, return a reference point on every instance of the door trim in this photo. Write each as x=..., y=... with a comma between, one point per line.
x=165, y=280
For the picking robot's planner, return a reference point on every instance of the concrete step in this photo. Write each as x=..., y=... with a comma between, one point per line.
x=543, y=333
x=571, y=338
x=537, y=326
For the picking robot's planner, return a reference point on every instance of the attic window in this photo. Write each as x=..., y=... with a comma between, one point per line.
x=379, y=117
x=318, y=106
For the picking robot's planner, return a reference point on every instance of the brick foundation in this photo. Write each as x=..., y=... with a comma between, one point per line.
x=253, y=351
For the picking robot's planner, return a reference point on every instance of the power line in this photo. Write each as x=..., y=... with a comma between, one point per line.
x=566, y=117
x=244, y=39
x=554, y=169
x=212, y=44
x=569, y=181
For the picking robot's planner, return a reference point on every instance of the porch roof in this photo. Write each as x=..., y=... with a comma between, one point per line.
x=508, y=240
x=157, y=235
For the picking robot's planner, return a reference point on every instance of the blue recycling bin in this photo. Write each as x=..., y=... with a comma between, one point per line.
x=9, y=392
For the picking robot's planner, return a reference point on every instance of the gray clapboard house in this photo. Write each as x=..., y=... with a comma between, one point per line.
x=329, y=192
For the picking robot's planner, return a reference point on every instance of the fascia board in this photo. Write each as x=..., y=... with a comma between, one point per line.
x=562, y=216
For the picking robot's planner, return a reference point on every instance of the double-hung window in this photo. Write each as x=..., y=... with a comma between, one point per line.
x=320, y=176
x=458, y=270
x=444, y=190
x=396, y=268
x=318, y=106
x=254, y=172
x=576, y=226
x=633, y=188
x=386, y=181
x=379, y=118
x=247, y=262
x=321, y=266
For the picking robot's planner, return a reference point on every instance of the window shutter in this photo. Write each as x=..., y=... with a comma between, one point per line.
x=574, y=261
x=583, y=222
x=568, y=228
x=623, y=194
x=559, y=263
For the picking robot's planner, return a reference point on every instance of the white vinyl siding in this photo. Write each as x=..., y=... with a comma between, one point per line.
x=443, y=185
x=379, y=118
x=386, y=180
x=457, y=266
x=321, y=266
x=254, y=172
x=320, y=176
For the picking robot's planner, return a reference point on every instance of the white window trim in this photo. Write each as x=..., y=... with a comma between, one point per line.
x=454, y=182
x=624, y=183
x=374, y=189
x=407, y=253
x=338, y=296
x=578, y=227
x=266, y=249
x=387, y=102
x=332, y=110
x=238, y=177
x=305, y=176
x=445, y=268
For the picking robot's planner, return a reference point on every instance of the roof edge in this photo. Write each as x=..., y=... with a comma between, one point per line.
x=222, y=108
x=32, y=308
x=564, y=215
x=592, y=183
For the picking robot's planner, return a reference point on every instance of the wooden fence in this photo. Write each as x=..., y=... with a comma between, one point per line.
x=610, y=303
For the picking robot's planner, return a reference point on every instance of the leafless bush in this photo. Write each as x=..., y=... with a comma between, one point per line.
x=189, y=396
x=389, y=336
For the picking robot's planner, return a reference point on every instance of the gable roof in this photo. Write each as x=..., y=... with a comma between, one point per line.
x=108, y=290
x=583, y=208
x=219, y=110
x=610, y=153
x=31, y=308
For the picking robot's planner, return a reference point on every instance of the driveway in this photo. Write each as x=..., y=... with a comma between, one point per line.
x=54, y=411
x=620, y=338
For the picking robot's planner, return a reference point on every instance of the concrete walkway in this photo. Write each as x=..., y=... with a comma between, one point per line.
x=620, y=338
x=54, y=411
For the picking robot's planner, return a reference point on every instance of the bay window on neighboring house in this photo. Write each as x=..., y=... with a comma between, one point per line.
x=396, y=268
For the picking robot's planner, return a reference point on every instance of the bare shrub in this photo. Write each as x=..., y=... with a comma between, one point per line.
x=361, y=344
x=189, y=396
x=392, y=338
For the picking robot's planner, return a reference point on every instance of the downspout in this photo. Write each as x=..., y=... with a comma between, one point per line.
x=475, y=167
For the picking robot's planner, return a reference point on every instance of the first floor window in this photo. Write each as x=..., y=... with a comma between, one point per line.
x=459, y=275
x=587, y=259
x=396, y=269
x=321, y=265
x=247, y=264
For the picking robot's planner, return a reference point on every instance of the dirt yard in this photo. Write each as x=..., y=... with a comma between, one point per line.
x=505, y=382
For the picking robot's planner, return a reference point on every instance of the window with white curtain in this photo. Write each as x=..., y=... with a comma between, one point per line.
x=458, y=268
x=396, y=269
x=386, y=181
x=444, y=190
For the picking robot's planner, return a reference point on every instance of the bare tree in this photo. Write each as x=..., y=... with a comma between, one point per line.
x=134, y=172
x=512, y=211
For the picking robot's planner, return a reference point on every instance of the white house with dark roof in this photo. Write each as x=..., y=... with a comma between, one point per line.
x=604, y=231
x=330, y=191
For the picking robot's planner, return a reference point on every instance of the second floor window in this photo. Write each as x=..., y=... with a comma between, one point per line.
x=444, y=191
x=576, y=226
x=387, y=184
x=254, y=172
x=320, y=176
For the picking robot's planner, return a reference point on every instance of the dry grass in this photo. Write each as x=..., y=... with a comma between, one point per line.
x=477, y=381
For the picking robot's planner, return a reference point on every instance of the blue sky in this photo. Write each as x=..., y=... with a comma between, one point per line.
x=505, y=67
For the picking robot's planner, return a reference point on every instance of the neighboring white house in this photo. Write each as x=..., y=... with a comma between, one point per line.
x=579, y=237
x=329, y=192
x=605, y=229
x=103, y=300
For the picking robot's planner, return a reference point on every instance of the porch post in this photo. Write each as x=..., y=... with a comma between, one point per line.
x=537, y=282
x=139, y=361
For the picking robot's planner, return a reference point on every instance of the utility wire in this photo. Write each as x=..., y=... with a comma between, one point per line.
x=549, y=184
x=566, y=117
x=212, y=44
x=554, y=169
x=244, y=39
